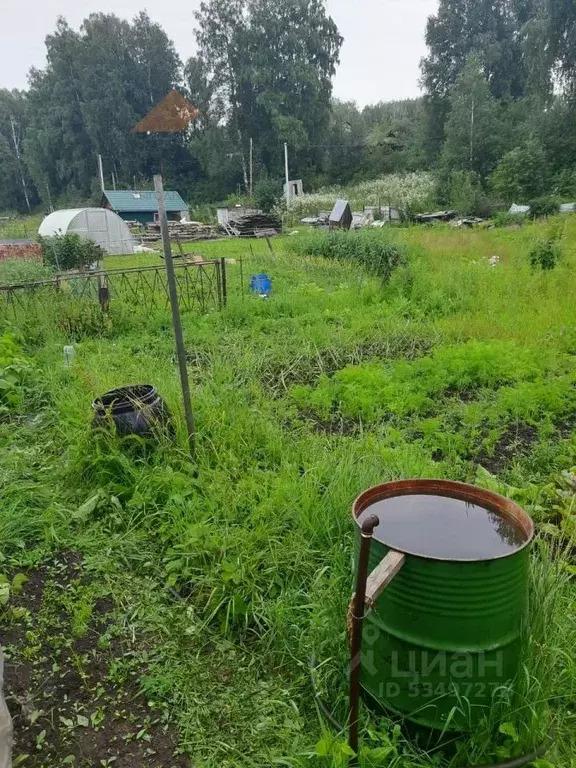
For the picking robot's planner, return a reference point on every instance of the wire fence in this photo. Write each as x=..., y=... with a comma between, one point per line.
x=201, y=288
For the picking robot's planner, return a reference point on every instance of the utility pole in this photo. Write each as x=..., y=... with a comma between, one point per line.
x=287, y=175
x=101, y=172
x=472, y=116
x=251, y=168
x=176, y=319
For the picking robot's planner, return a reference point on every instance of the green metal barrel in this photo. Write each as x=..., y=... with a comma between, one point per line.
x=444, y=635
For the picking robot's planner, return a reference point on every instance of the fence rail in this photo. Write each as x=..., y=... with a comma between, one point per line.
x=201, y=288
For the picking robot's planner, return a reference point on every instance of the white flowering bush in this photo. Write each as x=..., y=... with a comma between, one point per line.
x=400, y=190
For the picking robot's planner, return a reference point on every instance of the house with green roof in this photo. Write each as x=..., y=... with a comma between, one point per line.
x=142, y=206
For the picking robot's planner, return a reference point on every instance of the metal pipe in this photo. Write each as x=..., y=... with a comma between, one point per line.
x=101, y=172
x=287, y=175
x=368, y=527
x=176, y=319
x=224, y=283
x=251, y=169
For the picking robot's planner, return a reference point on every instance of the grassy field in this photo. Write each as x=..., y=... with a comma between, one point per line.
x=19, y=227
x=161, y=611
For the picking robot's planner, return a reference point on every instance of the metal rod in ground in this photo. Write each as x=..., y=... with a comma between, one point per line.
x=287, y=176
x=176, y=320
x=358, y=610
x=224, y=283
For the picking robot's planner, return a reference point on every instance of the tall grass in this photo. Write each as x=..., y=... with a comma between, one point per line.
x=235, y=568
x=370, y=250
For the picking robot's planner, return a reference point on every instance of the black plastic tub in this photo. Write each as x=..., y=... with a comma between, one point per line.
x=137, y=410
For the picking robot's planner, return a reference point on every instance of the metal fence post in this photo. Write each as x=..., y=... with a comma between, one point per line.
x=224, y=283
x=176, y=320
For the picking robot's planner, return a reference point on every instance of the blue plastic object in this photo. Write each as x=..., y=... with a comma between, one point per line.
x=261, y=285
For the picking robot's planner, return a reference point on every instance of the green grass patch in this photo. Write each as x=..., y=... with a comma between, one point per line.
x=229, y=572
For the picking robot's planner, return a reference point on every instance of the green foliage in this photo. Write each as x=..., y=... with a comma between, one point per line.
x=14, y=371
x=474, y=127
x=522, y=174
x=97, y=83
x=13, y=271
x=70, y=251
x=543, y=207
x=463, y=191
x=17, y=190
x=370, y=250
x=267, y=194
x=228, y=573
x=82, y=318
x=277, y=93
x=505, y=219
x=566, y=184
x=545, y=254
x=371, y=392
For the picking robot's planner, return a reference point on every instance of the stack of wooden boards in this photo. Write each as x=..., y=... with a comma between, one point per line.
x=182, y=231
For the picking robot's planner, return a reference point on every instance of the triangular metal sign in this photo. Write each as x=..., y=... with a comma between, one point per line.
x=172, y=115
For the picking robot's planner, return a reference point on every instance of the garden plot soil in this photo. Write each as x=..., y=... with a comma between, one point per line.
x=71, y=678
x=516, y=442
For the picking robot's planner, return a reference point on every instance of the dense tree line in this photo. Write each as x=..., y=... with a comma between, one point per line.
x=497, y=118
x=500, y=98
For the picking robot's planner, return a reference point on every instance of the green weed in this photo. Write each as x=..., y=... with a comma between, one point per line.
x=370, y=250
x=229, y=572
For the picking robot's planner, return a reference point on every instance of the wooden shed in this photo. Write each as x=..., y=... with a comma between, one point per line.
x=142, y=206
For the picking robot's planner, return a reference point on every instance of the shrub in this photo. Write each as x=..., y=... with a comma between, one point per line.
x=267, y=193
x=463, y=191
x=543, y=206
x=522, y=173
x=369, y=249
x=505, y=219
x=545, y=254
x=70, y=252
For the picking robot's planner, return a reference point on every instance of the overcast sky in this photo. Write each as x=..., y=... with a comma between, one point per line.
x=384, y=39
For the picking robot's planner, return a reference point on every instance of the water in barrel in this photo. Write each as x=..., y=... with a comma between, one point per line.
x=443, y=527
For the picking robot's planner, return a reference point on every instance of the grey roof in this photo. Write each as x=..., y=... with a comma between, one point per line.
x=568, y=208
x=142, y=201
x=519, y=208
x=341, y=208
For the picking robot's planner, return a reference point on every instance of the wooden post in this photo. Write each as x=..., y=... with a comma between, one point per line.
x=176, y=319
